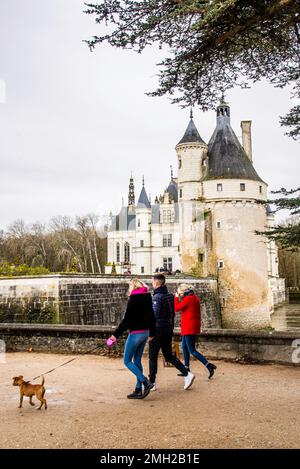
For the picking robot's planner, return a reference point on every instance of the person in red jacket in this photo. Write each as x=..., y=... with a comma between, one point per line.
x=188, y=304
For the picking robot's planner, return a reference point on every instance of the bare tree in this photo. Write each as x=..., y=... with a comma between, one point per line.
x=94, y=220
x=64, y=227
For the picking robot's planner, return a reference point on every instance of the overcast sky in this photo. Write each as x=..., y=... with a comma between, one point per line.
x=74, y=124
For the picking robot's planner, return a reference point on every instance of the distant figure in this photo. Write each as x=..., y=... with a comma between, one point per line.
x=188, y=304
x=163, y=306
x=140, y=321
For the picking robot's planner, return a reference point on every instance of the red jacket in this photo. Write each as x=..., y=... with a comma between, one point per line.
x=190, y=317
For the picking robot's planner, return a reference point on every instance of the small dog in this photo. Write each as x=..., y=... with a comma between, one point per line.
x=30, y=390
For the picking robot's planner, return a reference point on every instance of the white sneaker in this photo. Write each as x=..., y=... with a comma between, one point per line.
x=154, y=387
x=188, y=380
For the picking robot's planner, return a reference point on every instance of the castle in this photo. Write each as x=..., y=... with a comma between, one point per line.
x=205, y=224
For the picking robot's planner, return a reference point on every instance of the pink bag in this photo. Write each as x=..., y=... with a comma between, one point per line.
x=110, y=342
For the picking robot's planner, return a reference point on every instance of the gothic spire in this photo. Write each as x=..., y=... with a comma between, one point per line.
x=191, y=134
x=131, y=195
x=143, y=201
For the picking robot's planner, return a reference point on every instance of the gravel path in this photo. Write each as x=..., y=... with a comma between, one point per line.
x=243, y=406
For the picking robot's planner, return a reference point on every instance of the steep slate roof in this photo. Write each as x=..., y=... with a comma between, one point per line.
x=173, y=190
x=143, y=201
x=124, y=221
x=227, y=158
x=155, y=214
x=191, y=134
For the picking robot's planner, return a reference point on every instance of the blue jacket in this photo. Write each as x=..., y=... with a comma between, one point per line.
x=163, y=307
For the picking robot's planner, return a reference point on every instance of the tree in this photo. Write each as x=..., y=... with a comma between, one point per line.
x=113, y=269
x=292, y=119
x=210, y=45
x=62, y=245
x=287, y=234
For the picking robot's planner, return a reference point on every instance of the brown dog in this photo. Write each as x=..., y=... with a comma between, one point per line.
x=30, y=390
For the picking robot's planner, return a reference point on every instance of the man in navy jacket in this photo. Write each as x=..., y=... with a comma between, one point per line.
x=163, y=307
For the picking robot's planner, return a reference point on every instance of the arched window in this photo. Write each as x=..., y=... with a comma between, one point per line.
x=118, y=252
x=126, y=253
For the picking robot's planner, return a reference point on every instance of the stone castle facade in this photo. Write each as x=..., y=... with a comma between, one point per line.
x=205, y=224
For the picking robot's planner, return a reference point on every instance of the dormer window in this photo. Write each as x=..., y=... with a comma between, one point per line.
x=167, y=216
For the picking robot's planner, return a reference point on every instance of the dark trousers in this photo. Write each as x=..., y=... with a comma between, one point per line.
x=163, y=341
x=189, y=347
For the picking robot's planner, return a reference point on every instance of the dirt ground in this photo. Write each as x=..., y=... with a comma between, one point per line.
x=243, y=406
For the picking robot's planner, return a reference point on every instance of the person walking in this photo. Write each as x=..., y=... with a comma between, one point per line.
x=163, y=306
x=188, y=304
x=140, y=321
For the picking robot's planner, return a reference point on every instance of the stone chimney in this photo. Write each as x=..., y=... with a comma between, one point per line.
x=246, y=135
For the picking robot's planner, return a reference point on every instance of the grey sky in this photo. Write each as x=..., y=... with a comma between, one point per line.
x=74, y=124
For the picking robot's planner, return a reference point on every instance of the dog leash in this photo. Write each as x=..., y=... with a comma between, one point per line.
x=63, y=364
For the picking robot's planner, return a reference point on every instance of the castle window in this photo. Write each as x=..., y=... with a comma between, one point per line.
x=118, y=252
x=126, y=253
x=260, y=189
x=167, y=216
x=220, y=264
x=167, y=240
x=219, y=187
x=180, y=193
x=200, y=257
x=179, y=163
x=168, y=264
x=139, y=223
x=218, y=225
x=142, y=270
x=141, y=243
x=242, y=186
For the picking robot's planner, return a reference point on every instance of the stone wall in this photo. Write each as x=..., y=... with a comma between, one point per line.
x=232, y=345
x=29, y=299
x=86, y=299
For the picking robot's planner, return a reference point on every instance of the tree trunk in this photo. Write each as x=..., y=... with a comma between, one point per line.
x=96, y=254
x=91, y=256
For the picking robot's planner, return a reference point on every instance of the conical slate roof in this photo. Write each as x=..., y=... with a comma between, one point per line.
x=173, y=190
x=191, y=134
x=227, y=158
x=143, y=201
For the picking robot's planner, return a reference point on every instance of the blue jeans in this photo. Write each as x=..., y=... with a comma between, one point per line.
x=188, y=347
x=133, y=353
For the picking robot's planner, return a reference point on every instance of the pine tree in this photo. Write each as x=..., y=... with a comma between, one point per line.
x=211, y=45
x=113, y=269
x=287, y=234
x=74, y=265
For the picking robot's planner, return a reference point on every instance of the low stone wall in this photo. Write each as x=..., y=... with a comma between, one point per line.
x=29, y=299
x=87, y=299
x=233, y=345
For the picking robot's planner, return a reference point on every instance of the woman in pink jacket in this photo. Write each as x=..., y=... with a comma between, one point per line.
x=188, y=304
